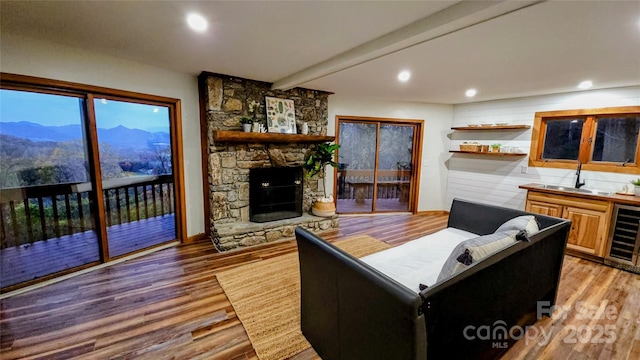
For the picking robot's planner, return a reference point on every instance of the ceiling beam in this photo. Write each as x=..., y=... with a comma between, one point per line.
x=457, y=17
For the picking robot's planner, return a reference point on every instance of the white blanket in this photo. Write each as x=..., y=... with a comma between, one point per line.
x=418, y=261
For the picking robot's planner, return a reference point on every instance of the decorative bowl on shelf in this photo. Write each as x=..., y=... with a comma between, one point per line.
x=486, y=124
x=502, y=124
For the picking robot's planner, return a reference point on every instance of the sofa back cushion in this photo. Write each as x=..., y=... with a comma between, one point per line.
x=474, y=250
x=528, y=223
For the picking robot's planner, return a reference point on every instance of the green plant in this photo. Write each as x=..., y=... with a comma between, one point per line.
x=495, y=146
x=246, y=120
x=635, y=182
x=318, y=157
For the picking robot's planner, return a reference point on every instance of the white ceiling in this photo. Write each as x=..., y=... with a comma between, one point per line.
x=548, y=47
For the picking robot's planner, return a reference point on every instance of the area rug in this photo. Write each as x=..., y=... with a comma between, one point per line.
x=266, y=298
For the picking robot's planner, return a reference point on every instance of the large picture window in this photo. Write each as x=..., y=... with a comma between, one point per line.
x=601, y=139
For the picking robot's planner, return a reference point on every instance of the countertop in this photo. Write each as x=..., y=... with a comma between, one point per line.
x=620, y=199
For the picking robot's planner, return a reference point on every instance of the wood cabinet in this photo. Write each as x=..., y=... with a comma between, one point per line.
x=589, y=219
x=544, y=208
x=588, y=230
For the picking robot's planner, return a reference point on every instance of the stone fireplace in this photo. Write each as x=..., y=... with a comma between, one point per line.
x=225, y=100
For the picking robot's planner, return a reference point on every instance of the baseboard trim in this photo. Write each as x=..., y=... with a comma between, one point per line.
x=433, y=212
x=582, y=255
x=196, y=237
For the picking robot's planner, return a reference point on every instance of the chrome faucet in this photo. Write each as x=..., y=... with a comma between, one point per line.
x=578, y=183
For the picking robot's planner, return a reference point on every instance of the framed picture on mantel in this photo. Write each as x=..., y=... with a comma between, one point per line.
x=281, y=115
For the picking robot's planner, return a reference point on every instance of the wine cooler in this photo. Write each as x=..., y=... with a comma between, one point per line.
x=624, y=238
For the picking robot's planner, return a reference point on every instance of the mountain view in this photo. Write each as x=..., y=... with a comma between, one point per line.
x=35, y=154
x=119, y=137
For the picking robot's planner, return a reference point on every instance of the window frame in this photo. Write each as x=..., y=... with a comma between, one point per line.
x=587, y=140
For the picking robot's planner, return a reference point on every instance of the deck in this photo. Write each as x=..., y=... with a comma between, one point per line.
x=31, y=261
x=345, y=206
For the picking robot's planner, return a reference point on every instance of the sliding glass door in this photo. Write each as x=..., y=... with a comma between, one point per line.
x=376, y=165
x=85, y=176
x=357, y=163
x=395, y=164
x=135, y=166
x=47, y=212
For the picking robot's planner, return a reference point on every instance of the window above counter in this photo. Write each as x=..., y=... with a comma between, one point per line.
x=601, y=139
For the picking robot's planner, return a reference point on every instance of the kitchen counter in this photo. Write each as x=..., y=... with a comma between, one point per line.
x=592, y=219
x=613, y=197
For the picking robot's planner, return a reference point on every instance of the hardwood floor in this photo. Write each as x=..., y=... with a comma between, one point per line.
x=169, y=305
x=41, y=258
x=597, y=317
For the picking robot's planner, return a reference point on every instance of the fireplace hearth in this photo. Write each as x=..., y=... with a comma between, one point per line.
x=275, y=193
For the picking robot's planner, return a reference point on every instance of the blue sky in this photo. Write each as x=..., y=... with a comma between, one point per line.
x=56, y=110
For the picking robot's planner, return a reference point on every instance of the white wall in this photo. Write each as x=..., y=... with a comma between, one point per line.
x=437, y=123
x=496, y=180
x=443, y=176
x=25, y=56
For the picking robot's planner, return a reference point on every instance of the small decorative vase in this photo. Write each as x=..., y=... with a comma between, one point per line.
x=256, y=127
x=246, y=127
x=636, y=189
x=305, y=128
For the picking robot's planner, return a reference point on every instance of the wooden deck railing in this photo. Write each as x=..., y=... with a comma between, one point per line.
x=34, y=213
x=386, y=190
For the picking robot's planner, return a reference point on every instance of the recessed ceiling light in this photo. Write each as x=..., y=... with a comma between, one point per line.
x=404, y=76
x=197, y=22
x=585, y=85
x=471, y=93
x=104, y=101
x=155, y=110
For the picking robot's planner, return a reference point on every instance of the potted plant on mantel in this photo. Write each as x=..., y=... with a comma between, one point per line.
x=246, y=123
x=315, y=161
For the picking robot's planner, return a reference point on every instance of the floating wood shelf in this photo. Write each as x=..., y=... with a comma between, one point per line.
x=241, y=136
x=486, y=153
x=497, y=127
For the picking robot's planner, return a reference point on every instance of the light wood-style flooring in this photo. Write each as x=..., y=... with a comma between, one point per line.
x=170, y=305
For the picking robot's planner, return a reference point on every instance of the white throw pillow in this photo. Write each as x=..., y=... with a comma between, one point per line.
x=528, y=223
x=474, y=250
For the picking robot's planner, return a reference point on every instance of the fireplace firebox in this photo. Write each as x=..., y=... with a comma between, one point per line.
x=275, y=193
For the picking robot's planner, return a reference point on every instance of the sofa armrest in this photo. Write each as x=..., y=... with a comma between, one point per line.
x=504, y=288
x=351, y=311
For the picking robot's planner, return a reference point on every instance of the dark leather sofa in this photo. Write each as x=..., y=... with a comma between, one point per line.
x=351, y=311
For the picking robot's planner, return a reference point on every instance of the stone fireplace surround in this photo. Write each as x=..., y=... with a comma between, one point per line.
x=225, y=100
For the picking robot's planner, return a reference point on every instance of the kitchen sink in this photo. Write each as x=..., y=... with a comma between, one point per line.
x=557, y=187
x=594, y=192
x=581, y=191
